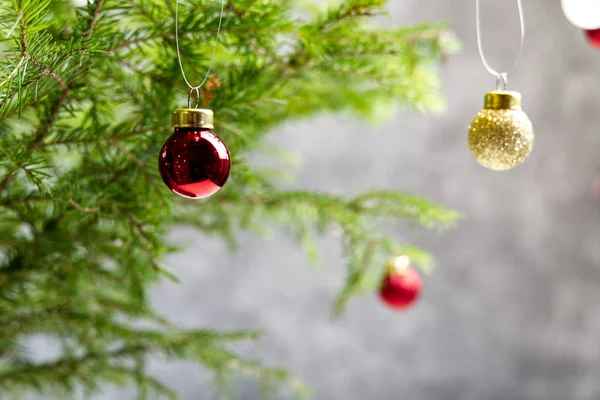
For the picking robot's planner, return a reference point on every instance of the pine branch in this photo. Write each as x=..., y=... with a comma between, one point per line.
x=83, y=212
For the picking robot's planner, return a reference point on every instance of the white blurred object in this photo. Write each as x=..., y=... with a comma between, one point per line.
x=79, y=3
x=584, y=14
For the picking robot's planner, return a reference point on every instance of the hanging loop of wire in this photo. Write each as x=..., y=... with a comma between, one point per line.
x=196, y=87
x=501, y=81
x=196, y=91
x=501, y=77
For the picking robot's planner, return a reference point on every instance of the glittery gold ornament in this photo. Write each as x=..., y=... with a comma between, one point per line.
x=501, y=135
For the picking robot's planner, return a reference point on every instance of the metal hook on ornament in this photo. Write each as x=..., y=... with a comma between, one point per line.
x=501, y=81
x=197, y=90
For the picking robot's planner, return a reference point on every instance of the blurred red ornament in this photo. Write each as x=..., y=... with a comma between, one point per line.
x=593, y=37
x=194, y=162
x=212, y=84
x=402, y=284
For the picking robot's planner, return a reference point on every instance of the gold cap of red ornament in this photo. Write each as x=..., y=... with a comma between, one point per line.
x=398, y=265
x=193, y=118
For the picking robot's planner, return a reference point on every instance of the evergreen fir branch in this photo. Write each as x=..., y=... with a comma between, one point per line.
x=85, y=100
x=359, y=219
x=200, y=345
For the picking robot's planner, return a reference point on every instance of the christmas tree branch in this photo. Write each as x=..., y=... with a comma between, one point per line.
x=359, y=220
x=83, y=213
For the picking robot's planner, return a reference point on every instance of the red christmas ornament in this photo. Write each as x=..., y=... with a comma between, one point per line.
x=593, y=37
x=194, y=162
x=401, y=286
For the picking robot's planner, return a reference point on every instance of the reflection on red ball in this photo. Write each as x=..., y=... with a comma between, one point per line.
x=194, y=163
x=593, y=36
x=401, y=289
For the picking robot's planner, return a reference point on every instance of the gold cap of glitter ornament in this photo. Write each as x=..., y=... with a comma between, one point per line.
x=501, y=135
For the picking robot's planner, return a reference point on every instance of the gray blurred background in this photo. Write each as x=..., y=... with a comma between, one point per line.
x=513, y=312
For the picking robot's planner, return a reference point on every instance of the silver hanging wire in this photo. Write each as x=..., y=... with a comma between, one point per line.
x=195, y=90
x=501, y=77
x=197, y=87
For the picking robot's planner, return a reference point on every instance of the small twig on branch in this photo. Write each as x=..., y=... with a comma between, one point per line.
x=82, y=208
x=23, y=51
x=229, y=127
x=94, y=20
x=48, y=71
x=132, y=156
x=47, y=125
x=139, y=232
x=6, y=181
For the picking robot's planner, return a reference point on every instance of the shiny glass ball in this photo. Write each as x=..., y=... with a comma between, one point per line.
x=194, y=163
x=400, y=289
